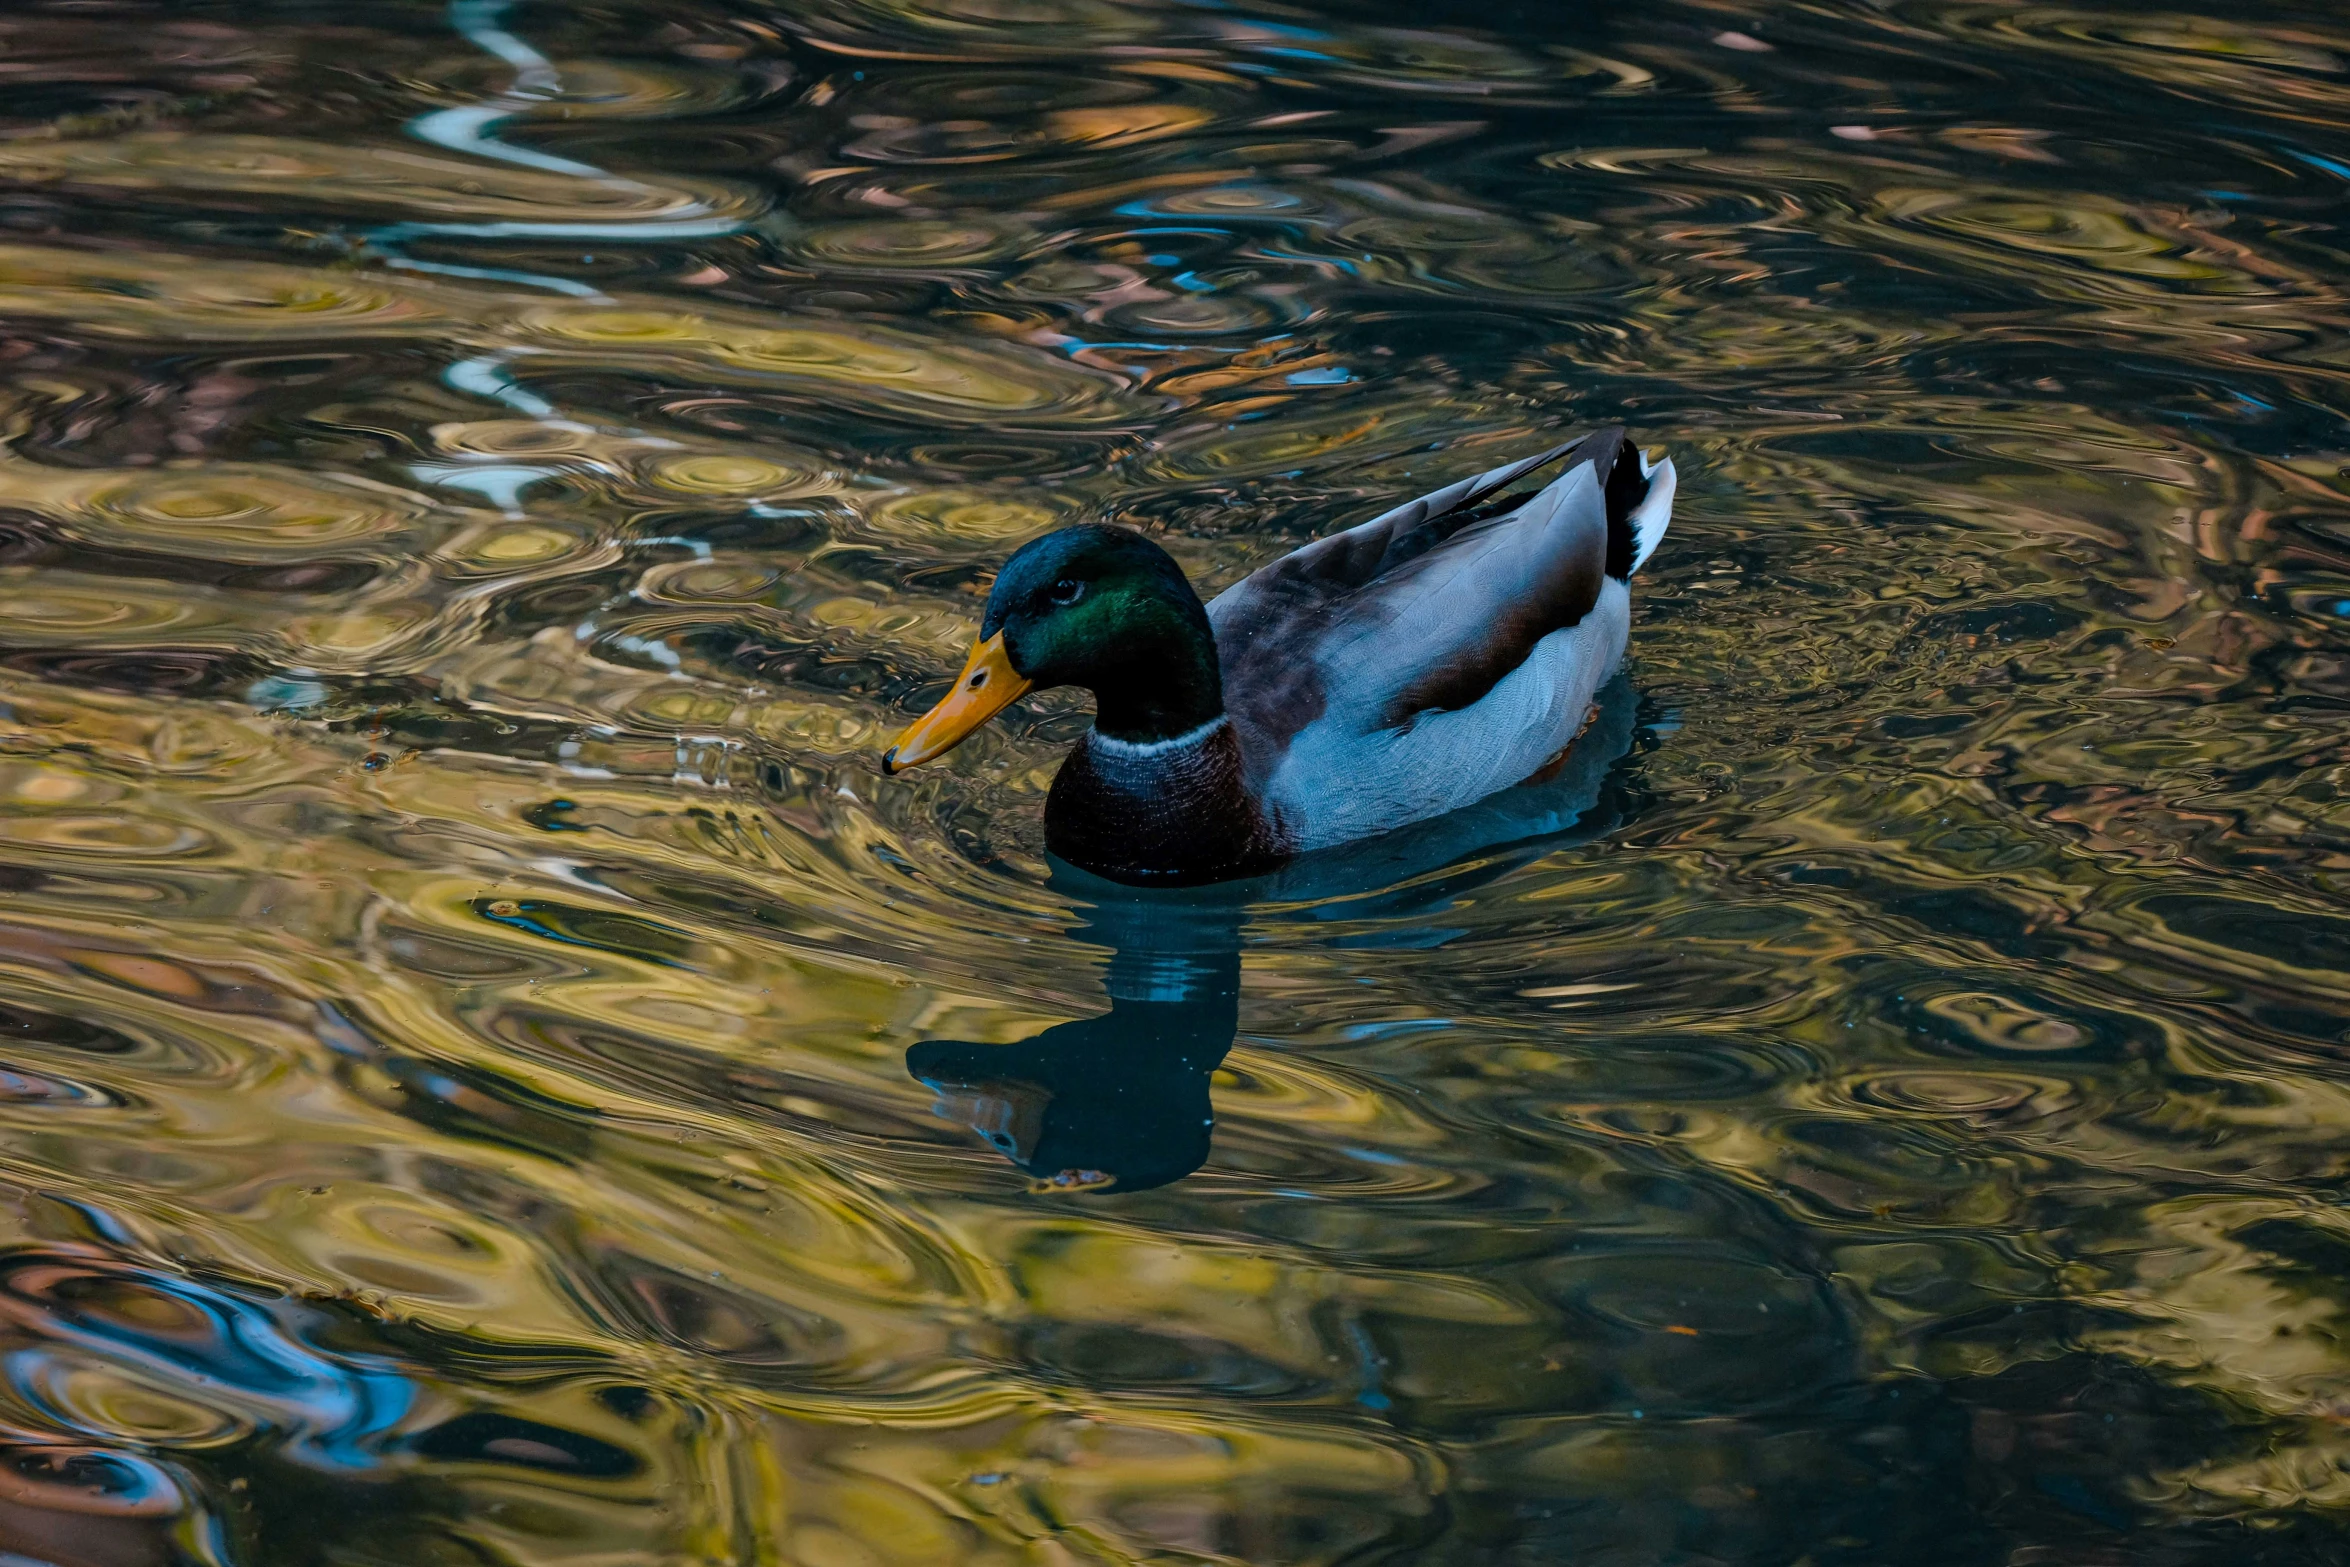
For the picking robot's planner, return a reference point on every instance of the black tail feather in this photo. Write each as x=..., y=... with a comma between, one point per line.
x=1627, y=487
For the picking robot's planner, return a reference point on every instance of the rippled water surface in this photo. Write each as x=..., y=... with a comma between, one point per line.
x=491, y=1075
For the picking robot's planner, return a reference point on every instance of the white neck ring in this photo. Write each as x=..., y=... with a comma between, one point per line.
x=1141, y=748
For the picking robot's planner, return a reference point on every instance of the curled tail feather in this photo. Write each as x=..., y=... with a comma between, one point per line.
x=1639, y=509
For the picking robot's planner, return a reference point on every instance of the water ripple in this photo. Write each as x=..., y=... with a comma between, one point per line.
x=491, y=1071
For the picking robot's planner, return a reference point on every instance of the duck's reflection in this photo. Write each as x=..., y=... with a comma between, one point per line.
x=1121, y=1101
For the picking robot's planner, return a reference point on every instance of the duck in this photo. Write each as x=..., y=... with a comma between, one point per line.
x=1445, y=650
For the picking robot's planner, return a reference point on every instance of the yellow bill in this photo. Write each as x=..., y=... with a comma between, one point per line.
x=987, y=685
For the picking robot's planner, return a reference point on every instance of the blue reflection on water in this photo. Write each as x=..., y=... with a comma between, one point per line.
x=244, y=1359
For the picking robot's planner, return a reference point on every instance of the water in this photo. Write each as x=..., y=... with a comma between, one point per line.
x=491, y=1074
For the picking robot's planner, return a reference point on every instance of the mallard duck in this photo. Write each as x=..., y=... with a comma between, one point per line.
x=1406, y=667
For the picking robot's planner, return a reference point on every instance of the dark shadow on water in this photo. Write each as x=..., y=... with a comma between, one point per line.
x=1121, y=1100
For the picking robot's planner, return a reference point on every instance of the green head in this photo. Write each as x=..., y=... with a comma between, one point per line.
x=1104, y=608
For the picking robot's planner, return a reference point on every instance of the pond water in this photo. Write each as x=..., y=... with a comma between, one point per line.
x=491, y=1073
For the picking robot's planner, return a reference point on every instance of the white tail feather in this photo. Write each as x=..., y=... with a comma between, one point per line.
x=1654, y=514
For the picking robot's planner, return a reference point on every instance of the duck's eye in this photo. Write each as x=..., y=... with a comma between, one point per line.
x=1068, y=591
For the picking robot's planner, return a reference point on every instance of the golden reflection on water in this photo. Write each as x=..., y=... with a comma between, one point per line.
x=479, y=485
